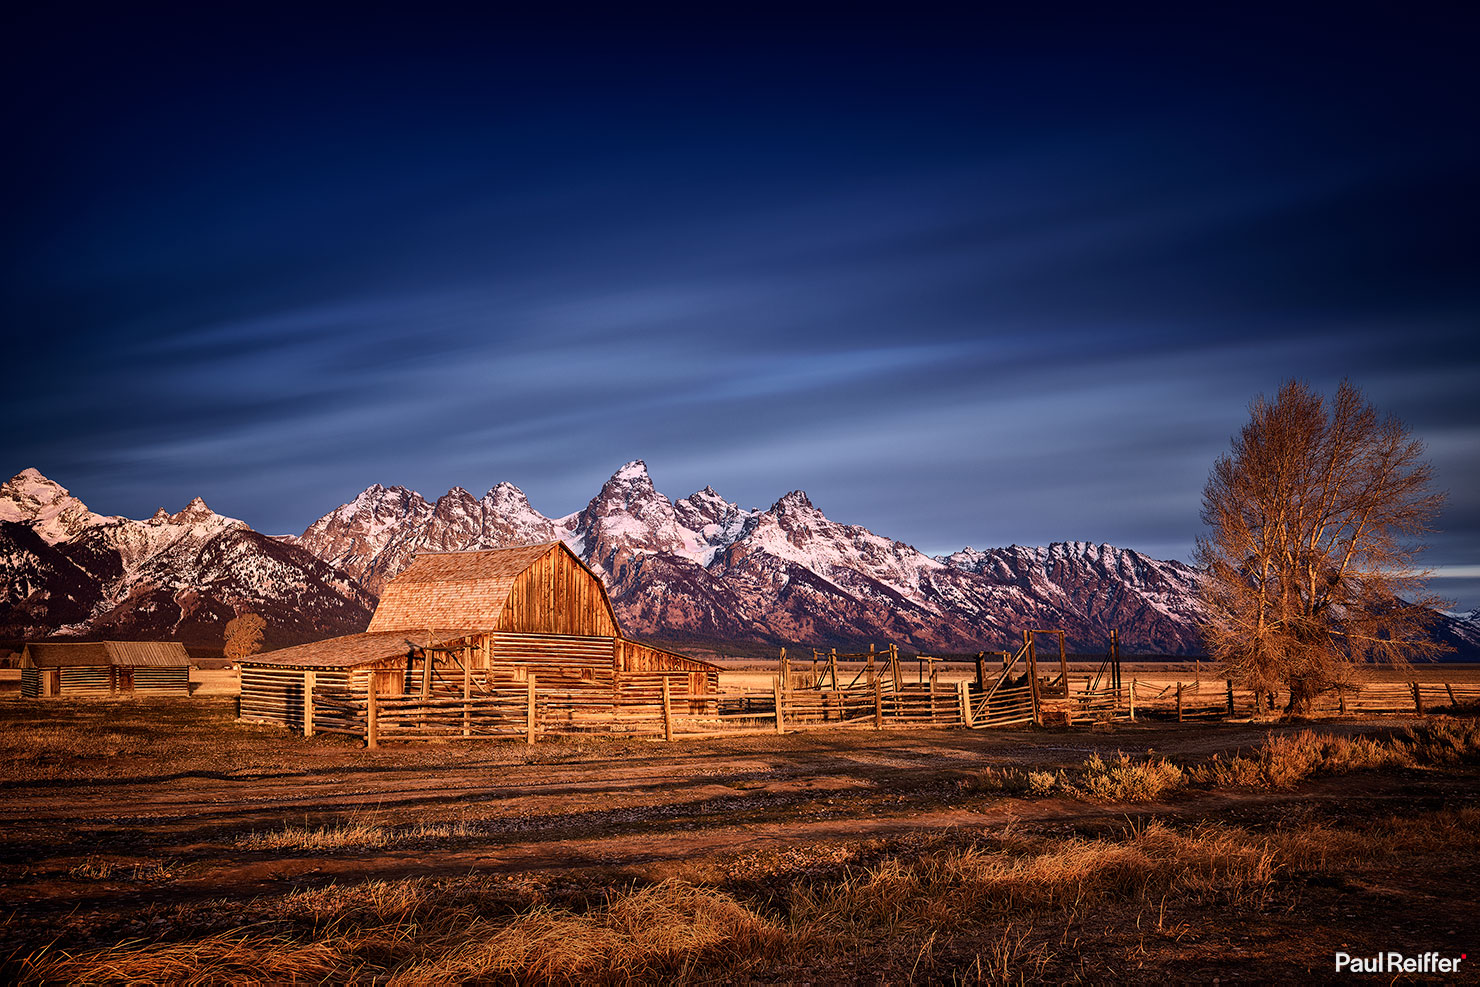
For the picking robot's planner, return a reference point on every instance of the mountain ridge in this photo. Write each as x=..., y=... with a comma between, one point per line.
x=698, y=568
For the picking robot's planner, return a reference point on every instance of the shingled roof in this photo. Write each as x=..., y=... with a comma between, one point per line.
x=352, y=650
x=95, y=654
x=455, y=589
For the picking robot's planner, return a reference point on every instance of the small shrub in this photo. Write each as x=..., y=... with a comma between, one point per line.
x=1285, y=761
x=1125, y=780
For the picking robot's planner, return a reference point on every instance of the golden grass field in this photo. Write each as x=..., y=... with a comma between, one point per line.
x=163, y=842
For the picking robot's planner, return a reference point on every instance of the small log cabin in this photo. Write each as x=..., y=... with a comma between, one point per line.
x=104, y=668
x=503, y=614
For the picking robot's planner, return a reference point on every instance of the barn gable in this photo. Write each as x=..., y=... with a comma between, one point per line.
x=533, y=589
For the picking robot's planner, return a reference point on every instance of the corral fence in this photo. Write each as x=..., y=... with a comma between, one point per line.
x=1203, y=699
x=528, y=712
x=878, y=697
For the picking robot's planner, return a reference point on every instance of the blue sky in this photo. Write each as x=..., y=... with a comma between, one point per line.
x=965, y=280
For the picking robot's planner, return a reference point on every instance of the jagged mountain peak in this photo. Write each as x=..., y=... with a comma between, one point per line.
x=634, y=470
x=793, y=502
x=629, y=485
x=193, y=512
x=505, y=489
x=49, y=508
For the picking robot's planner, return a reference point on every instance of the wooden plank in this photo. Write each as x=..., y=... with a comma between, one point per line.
x=308, y=684
x=372, y=732
x=667, y=712
x=529, y=713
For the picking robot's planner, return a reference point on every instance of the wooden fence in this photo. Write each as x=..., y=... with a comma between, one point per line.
x=1202, y=699
x=527, y=712
x=523, y=712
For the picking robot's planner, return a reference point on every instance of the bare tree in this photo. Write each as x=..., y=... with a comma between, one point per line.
x=1316, y=519
x=244, y=635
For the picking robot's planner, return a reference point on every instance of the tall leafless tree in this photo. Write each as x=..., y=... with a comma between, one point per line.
x=244, y=635
x=1316, y=519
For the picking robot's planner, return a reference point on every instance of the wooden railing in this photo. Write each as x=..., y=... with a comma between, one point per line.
x=521, y=711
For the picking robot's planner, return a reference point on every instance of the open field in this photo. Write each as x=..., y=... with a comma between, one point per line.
x=162, y=841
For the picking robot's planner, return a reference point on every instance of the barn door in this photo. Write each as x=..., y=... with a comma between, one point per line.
x=125, y=680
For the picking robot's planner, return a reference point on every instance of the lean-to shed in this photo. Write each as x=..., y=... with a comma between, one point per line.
x=104, y=668
x=500, y=614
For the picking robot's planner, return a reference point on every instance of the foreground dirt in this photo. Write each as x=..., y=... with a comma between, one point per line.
x=109, y=812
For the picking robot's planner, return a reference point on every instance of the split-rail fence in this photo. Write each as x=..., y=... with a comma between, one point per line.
x=878, y=697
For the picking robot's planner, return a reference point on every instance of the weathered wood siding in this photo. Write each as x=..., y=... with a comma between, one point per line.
x=634, y=657
x=30, y=683
x=558, y=663
x=87, y=681
x=162, y=681
x=275, y=695
x=558, y=595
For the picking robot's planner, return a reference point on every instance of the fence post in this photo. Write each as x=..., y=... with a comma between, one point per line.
x=372, y=728
x=1230, y=697
x=878, y=705
x=933, y=671
x=780, y=719
x=1133, y=700
x=529, y=712
x=667, y=712
x=1341, y=700
x=426, y=668
x=1450, y=690
x=1033, y=678
x=1417, y=699
x=308, y=683
x=467, y=693
x=963, y=689
x=1179, y=702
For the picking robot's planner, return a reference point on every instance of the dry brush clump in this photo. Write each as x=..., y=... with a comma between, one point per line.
x=351, y=834
x=421, y=932
x=949, y=889
x=1285, y=761
x=960, y=901
x=1280, y=762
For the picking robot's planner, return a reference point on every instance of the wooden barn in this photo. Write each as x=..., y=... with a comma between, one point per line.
x=470, y=623
x=104, y=668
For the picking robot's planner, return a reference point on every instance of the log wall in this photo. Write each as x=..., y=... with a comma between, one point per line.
x=275, y=695
x=162, y=681
x=89, y=681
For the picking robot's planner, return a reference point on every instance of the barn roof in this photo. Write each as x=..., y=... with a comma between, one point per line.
x=352, y=650
x=140, y=654
x=95, y=654
x=456, y=589
x=71, y=655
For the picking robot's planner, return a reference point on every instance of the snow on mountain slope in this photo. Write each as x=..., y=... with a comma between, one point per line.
x=703, y=567
x=66, y=570
x=48, y=508
x=699, y=568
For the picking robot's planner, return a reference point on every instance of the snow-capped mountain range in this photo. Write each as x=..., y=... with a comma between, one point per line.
x=699, y=569
x=65, y=570
x=707, y=569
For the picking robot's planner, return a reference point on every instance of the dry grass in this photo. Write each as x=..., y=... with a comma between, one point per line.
x=966, y=903
x=1125, y=780
x=351, y=834
x=99, y=869
x=413, y=932
x=1281, y=762
x=949, y=889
